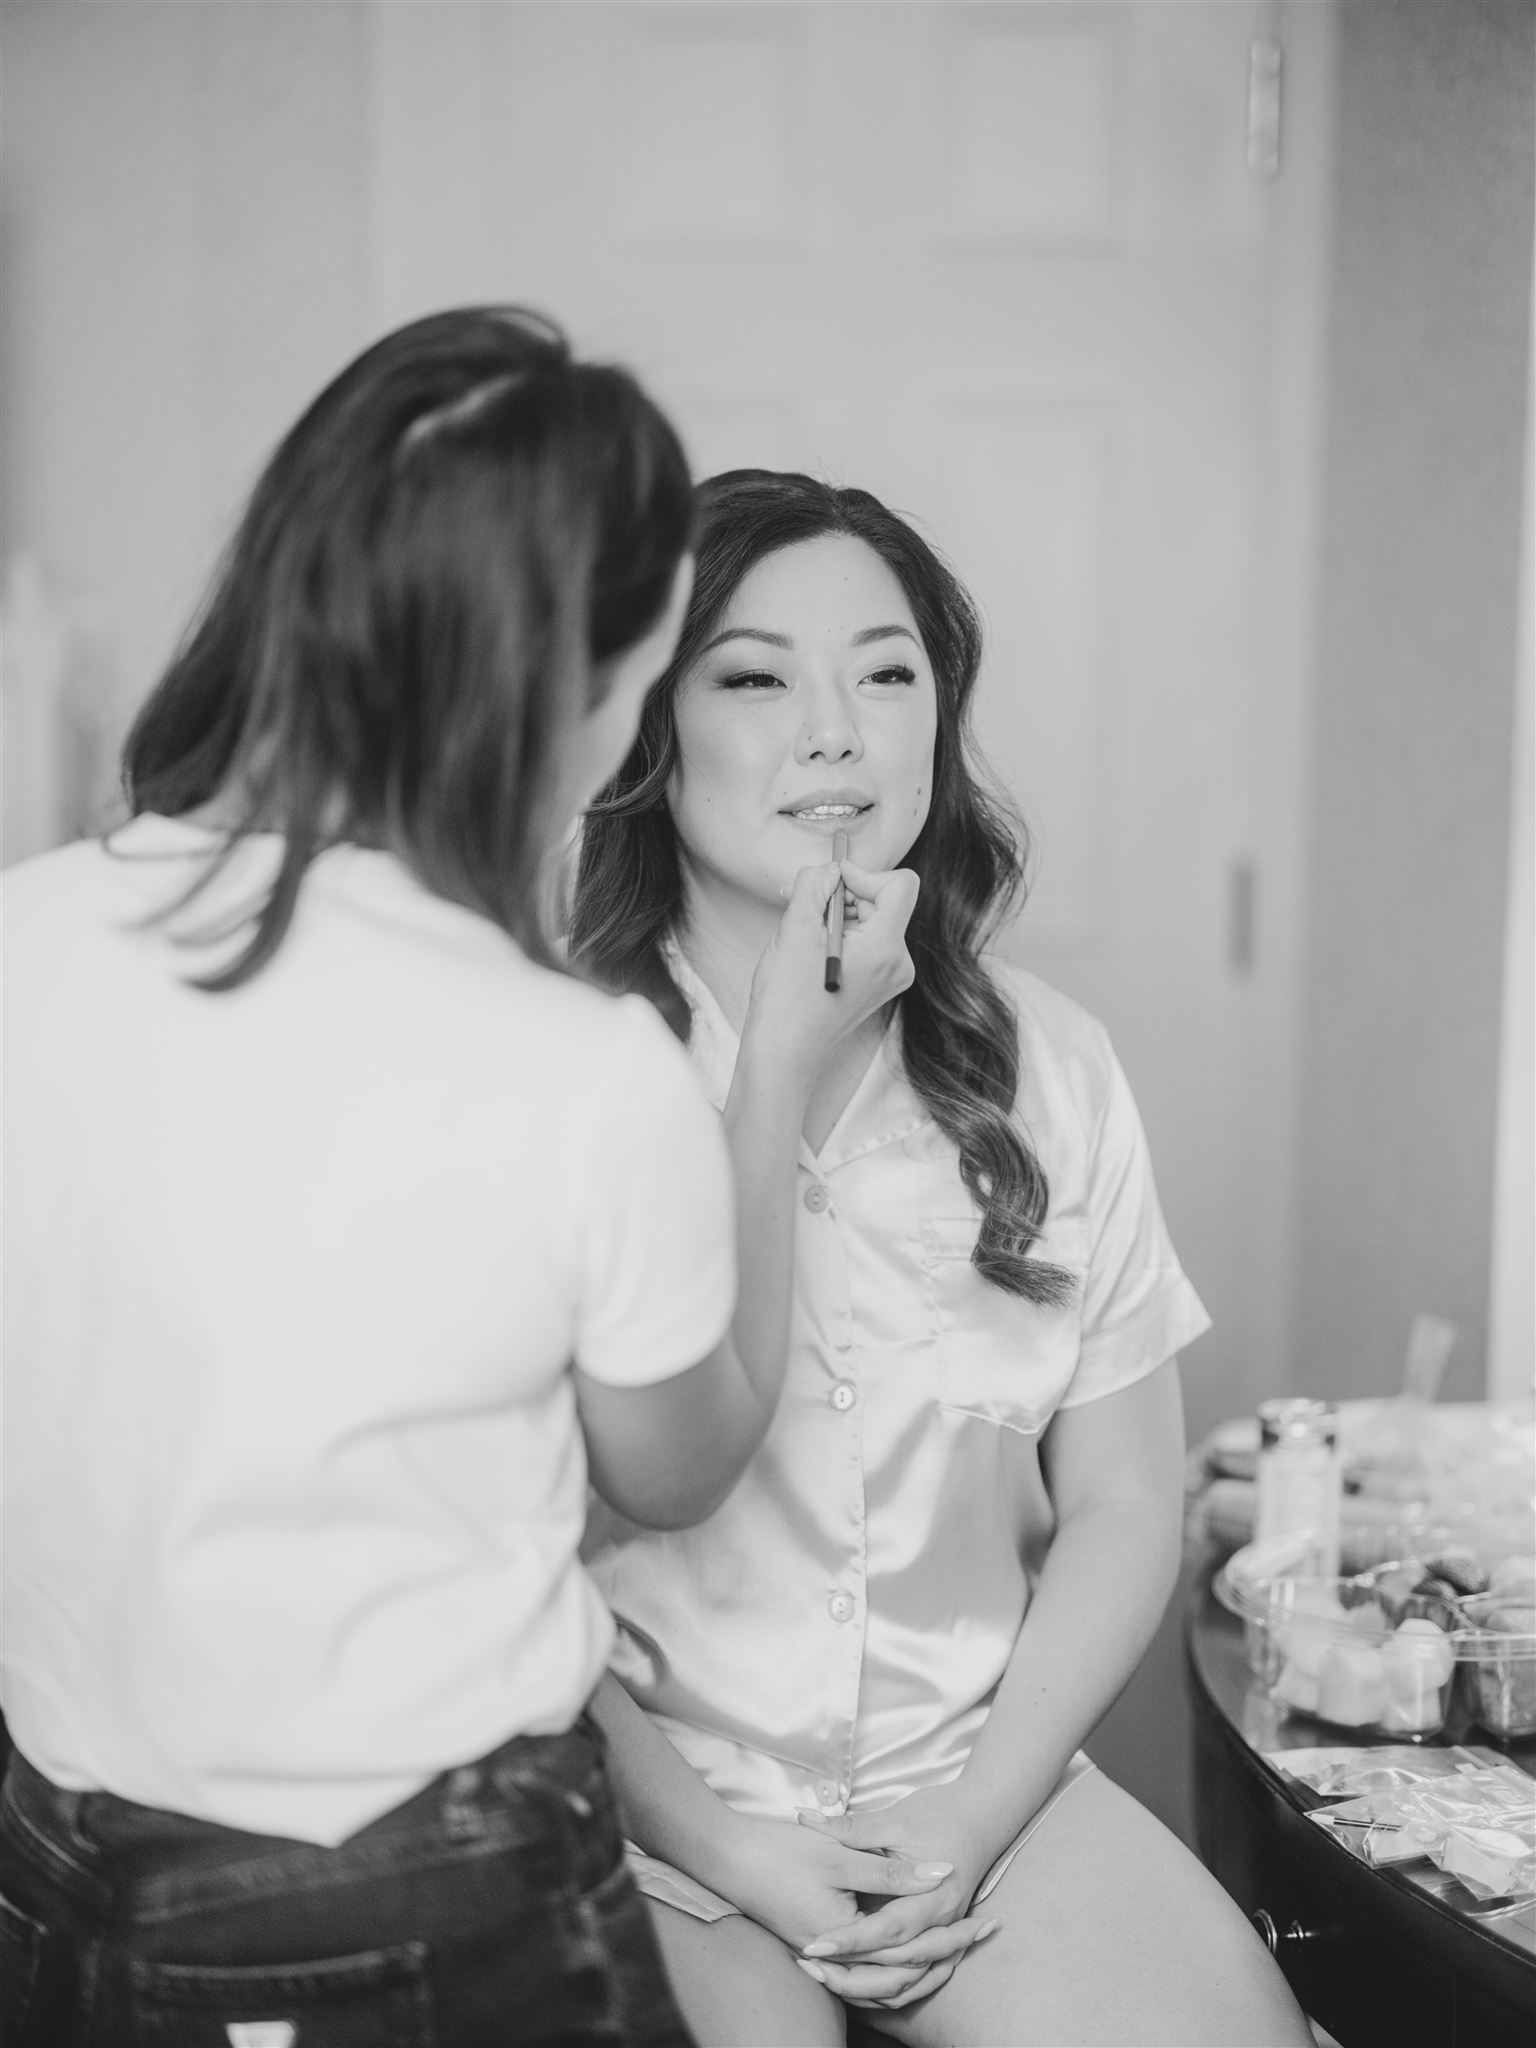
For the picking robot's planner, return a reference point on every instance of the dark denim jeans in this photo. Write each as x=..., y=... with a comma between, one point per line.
x=492, y=1910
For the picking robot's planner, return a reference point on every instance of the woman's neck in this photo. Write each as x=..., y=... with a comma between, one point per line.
x=722, y=941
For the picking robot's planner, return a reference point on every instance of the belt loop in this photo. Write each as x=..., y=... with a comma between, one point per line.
x=71, y=1808
x=463, y=1815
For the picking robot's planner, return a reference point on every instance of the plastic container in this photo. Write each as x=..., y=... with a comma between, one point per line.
x=1382, y=1652
x=1345, y=1650
x=1496, y=1649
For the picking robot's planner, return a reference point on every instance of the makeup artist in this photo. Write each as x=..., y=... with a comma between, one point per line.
x=320, y=1174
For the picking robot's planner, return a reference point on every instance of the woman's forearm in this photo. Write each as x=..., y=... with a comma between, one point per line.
x=669, y=1811
x=763, y=1115
x=1115, y=1471
x=667, y=1454
x=1099, y=1599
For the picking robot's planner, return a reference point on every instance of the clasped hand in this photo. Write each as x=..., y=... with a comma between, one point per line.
x=923, y=1856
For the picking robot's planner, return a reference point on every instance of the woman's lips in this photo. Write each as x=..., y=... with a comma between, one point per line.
x=828, y=820
x=829, y=817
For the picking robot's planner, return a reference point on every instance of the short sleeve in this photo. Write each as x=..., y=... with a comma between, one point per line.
x=1138, y=1307
x=657, y=1232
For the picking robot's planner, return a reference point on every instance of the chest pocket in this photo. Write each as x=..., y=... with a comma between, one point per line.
x=1002, y=1359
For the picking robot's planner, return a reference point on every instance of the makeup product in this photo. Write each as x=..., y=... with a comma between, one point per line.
x=835, y=920
x=1300, y=1480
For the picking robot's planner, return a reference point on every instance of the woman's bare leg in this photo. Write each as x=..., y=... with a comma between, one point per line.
x=1112, y=1932
x=739, y=1986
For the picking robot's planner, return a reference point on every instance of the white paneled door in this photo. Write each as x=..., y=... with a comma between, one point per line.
x=1005, y=265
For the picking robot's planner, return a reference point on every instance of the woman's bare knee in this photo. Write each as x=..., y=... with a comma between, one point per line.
x=1111, y=1932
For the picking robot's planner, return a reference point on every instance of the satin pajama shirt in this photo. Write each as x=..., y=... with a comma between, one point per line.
x=831, y=1637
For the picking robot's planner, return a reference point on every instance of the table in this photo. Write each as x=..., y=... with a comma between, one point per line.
x=1381, y=1958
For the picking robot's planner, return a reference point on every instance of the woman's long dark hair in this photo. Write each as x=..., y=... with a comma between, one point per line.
x=410, y=619
x=959, y=1035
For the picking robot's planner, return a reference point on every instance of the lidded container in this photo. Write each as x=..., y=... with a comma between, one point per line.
x=1345, y=1651
x=1497, y=1651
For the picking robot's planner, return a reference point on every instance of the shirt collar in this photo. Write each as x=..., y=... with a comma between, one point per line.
x=712, y=1045
x=883, y=1109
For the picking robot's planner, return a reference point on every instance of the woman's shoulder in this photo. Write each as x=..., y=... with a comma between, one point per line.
x=1067, y=1064
x=622, y=1032
x=75, y=895
x=632, y=1057
x=42, y=879
x=1054, y=1022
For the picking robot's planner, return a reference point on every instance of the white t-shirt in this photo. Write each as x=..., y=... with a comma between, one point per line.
x=293, y=1477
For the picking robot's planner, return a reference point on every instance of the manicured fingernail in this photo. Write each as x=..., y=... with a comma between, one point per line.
x=932, y=1869
x=811, y=1970
x=991, y=1928
x=819, y=1948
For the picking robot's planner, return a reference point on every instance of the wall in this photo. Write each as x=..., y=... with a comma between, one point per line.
x=1386, y=1045
x=1512, y=1312
x=184, y=241
x=1415, y=660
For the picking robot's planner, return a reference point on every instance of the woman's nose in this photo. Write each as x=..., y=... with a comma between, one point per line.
x=829, y=732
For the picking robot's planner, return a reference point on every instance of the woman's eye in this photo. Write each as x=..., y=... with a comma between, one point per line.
x=751, y=679
x=898, y=672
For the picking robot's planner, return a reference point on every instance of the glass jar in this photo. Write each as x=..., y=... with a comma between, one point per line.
x=1300, y=1479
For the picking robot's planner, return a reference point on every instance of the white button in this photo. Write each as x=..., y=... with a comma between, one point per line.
x=827, y=1794
x=840, y=1607
x=842, y=1397
x=816, y=1198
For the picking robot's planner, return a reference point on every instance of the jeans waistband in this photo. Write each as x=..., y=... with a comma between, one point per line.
x=138, y=1859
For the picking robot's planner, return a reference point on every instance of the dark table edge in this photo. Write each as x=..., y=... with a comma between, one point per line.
x=1465, y=1946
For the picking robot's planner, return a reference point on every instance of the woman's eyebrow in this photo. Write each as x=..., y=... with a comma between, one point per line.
x=860, y=639
x=748, y=633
